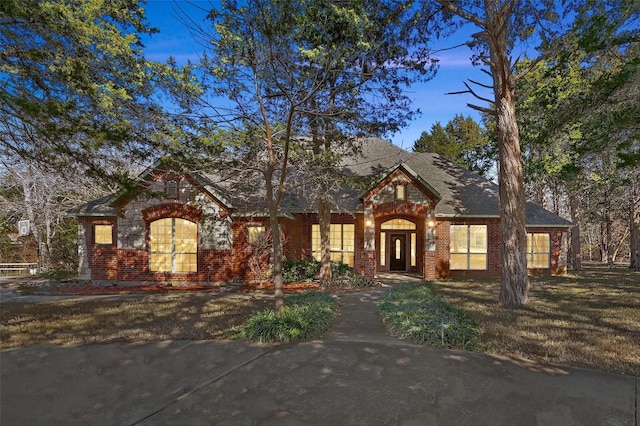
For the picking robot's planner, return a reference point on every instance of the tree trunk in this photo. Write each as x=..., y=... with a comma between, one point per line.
x=276, y=240
x=634, y=227
x=576, y=249
x=31, y=215
x=514, y=279
x=324, y=219
x=608, y=236
x=277, y=258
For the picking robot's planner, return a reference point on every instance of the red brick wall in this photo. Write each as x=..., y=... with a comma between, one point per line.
x=133, y=265
x=108, y=263
x=244, y=255
x=443, y=248
x=493, y=248
x=102, y=258
x=297, y=234
x=161, y=211
x=415, y=213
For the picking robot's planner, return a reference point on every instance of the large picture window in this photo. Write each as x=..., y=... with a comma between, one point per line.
x=341, y=240
x=538, y=250
x=173, y=245
x=468, y=247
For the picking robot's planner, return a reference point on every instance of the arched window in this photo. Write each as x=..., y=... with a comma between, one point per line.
x=398, y=224
x=173, y=245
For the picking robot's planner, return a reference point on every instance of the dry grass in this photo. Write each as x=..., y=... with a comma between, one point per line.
x=588, y=320
x=179, y=317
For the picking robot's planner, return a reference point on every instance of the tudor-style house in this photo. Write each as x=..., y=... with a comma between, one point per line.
x=422, y=215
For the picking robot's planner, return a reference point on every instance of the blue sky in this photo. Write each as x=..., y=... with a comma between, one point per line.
x=430, y=97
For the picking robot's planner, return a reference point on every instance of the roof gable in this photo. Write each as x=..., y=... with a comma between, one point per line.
x=111, y=205
x=462, y=193
x=402, y=169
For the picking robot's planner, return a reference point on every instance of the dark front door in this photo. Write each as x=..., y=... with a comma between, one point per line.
x=398, y=253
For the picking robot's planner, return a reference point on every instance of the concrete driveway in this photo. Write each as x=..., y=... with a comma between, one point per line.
x=355, y=375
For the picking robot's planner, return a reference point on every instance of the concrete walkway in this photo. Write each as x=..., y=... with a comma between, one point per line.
x=355, y=375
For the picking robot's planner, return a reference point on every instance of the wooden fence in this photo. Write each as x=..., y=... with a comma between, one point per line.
x=18, y=268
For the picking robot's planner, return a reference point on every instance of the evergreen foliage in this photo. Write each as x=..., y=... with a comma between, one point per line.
x=461, y=141
x=306, y=315
x=412, y=311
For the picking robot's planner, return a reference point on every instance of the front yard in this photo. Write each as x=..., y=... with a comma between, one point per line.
x=181, y=317
x=588, y=320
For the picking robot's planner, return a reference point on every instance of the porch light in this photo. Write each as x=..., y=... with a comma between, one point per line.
x=368, y=223
x=431, y=223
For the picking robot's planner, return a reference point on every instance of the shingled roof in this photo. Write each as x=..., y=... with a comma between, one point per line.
x=463, y=193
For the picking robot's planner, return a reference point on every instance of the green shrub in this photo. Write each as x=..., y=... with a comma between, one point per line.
x=300, y=270
x=413, y=312
x=306, y=315
x=339, y=268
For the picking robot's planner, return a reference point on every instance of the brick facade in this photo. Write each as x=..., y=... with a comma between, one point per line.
x=224, y=255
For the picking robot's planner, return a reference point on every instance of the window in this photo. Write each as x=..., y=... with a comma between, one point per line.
x=173, y=245
x=254, y=233
x=468, y=247
x=413, y=249
x=398, y=224
x=171, y=189
x=383, y=248
x=401, y=192
x=341, y=241
x=102, y=234
x=538, y=250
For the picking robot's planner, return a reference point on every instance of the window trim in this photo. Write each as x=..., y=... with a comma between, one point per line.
x=343, y=254
x=173, y=253
x=531, y=254
x=469, y=251
x=97, y=240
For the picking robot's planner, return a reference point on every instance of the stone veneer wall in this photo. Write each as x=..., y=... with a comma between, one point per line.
x=127, y=259
x=381, y=205
x=214, y=227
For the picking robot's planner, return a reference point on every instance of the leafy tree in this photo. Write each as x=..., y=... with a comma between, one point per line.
x=579, y=114
x=367, y=99
x=74, y=85
x=304, y=67
x=501, y=24
x=462, y=141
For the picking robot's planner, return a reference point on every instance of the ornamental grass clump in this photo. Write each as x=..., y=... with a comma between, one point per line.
x=411, y=311
x=306, y=315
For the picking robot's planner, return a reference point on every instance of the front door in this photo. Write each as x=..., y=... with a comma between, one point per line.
x=398, y=253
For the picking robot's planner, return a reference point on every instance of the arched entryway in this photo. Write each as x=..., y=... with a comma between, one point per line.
x=398, y=245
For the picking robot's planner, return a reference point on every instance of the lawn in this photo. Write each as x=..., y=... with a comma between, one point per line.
x=161, y=317
x=591, y=319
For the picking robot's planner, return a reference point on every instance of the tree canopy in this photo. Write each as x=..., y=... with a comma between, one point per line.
x=75, y=86
x=336, y=71
x=461, y=141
